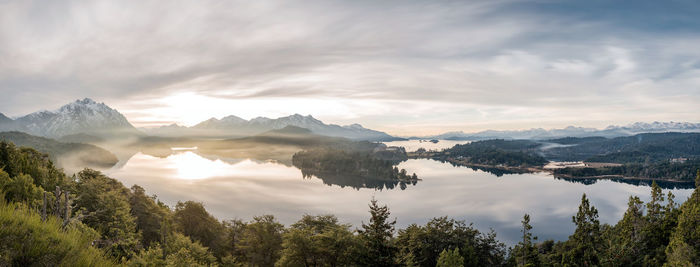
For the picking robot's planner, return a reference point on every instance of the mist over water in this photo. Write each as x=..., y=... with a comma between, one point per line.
x=243, y=188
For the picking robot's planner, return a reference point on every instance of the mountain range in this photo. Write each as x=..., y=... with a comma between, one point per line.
x=88, y=117
x=571, y=131
x=80, y=117
x=232, y=126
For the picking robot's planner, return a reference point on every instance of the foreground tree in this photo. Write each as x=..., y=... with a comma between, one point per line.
x=104, y=205
x=151, y=216
x=261, y=241
x=586, y=238
x=525, y=252
x=193, y=220
x=626, y=240
x=684, y=247
x=422, y=245
x=178, y=251
x=450, y=258
x=317, y=241
x=376, y=238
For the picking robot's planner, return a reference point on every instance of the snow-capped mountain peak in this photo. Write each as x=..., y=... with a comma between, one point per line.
x=574, y=131
x=81, y=116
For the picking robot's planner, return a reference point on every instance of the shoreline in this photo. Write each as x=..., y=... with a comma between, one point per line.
x=531, y=169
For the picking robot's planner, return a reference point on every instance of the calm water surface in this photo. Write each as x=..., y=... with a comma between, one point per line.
x=413, y=145
x=243, y=188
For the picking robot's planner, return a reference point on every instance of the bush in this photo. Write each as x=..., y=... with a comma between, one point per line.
x=27, y=241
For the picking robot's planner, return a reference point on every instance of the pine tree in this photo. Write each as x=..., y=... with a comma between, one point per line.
x=377, y=237
x=684, y=247
x=626, y=240
x=586, y=238
x=528, y=253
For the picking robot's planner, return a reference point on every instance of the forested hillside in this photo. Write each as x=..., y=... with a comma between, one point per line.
x=64, y=153
x=671, y=156
x=50, y=219
x=512, y=153
x=650, y=147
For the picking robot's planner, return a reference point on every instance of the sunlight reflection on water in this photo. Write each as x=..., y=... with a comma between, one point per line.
x=243, y=188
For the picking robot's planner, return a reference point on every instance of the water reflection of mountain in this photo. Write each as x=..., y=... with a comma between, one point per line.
x=358, y=182
x=638, y=182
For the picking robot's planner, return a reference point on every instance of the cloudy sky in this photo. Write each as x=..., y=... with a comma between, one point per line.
x=405, y=67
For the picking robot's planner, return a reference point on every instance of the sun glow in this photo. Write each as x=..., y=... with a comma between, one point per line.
x=190, y=166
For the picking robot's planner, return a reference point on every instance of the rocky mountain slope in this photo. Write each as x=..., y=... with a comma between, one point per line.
x=82, y=116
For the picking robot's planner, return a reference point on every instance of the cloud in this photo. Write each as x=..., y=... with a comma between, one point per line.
x=408, y=62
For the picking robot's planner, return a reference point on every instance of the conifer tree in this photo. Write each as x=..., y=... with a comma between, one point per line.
x=528, y=253
x=586, y=238
x=376, y=237
x=684, y=247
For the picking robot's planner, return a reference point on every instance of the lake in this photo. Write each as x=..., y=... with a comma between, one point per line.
x=243, y=188
x=413, y=145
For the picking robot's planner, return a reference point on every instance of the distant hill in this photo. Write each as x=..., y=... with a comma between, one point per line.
x=82, y=116
x=66, y=155
x=640, y=148
x=4, y=119
x=571, y=131
x=233, y=126
x=7, y=124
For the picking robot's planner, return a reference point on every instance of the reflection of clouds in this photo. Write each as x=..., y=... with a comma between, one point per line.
x=413, y=145
x=250, y=188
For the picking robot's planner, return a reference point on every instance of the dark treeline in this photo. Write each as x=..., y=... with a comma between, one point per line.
x=684, y=171
x=638, y=182
x=330, y=162
x=109, y=224
x=81, y=153
x=640, y=148
x=513, y=153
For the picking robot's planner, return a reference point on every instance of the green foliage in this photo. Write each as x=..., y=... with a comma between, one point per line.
x=261, y=241
x=421, y=245
x=179, y=251
x=524, y=252
x=684, y=247
x=193, y=220
x=85, y=154
x=450, y=258
x=514, y=153
x=151, y=216
x=376, y=238
x=640, y=148
x=586, y=239
x=27, y=241
x=104, y=202
x=120, y=223
x=626, y=240
x=317, y=241
x=335, y=161
x=21, y=188
x=17, y=161
x=663, y=170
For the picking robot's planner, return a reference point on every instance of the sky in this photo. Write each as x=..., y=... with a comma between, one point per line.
x=404, y=67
